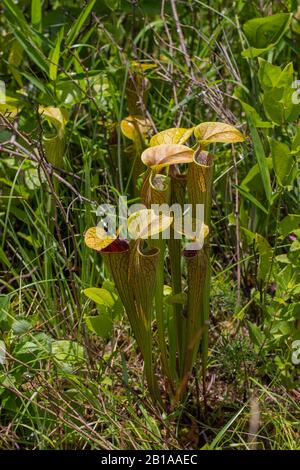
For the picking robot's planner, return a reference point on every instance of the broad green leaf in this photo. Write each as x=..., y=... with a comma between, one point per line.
x=286, y=280
x=34, y=178
x=100, y=296
x=283, y=163
x=101, y=325
x=163, y=155
x=255, y=117
x=146, y=223
x=264, y=33
x=255, y=333
x=268, y=74
x=277, y=85
x=21, y=326
x=272, y=101
x=290, y=223
x=283, y=259
x=282, y=328
x=295, y=246
x=175, y=135
x=209, y=132
x=28, y=348
x=67, y=351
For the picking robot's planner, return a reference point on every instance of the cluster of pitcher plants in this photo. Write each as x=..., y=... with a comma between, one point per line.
x=164, y=285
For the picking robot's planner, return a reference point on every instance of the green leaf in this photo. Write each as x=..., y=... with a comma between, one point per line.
x=73, y=33
x=5, y=319
x=281, y=328
x=265, y=32
x=252, y=181
x=12, y=8
x=15, y=59
x=277, y=85
x=261, y=160
x=36, y=14
x=100, y=296
x=4, y=259
x=296, y=143
x=68, y=92
x=101, y=325
x=251, y=198
x=179, y=298
x=287, y=279
x=265, y=257
x=20, y=327
x=54, y=56
x=290, y=223
x=283, y=259
x=255, y=333
x=268, y=74
x=31, y=50
x=38, y=84
x=283, y=163
x=113, y=4
x=67, y=351
x=254, y=116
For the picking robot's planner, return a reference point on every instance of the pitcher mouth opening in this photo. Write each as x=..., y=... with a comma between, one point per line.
x=117, y=246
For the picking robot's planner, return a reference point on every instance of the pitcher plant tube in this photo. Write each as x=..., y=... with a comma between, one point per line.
x=170, y=334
